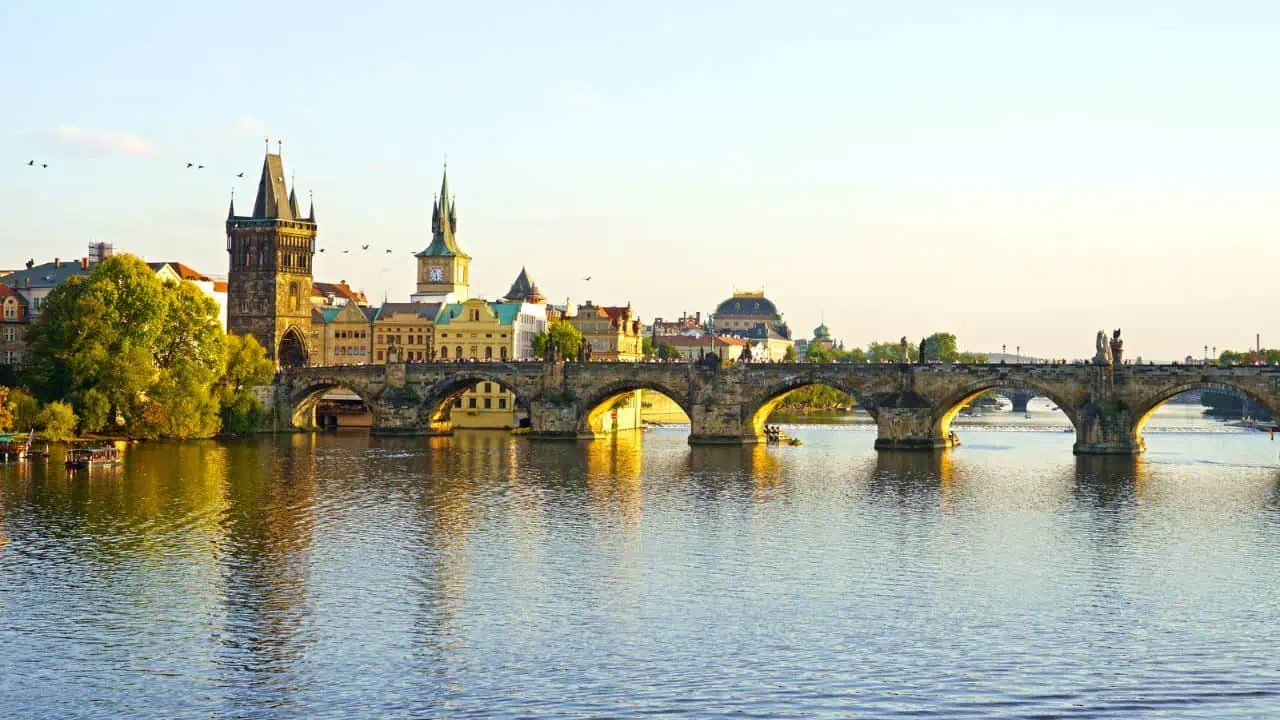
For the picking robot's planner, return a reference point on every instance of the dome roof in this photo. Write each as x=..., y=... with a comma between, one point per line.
x=822, y=332
x=747, y=304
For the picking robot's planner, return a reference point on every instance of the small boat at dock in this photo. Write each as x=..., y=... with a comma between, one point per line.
x=15, y=448
x=92, y=457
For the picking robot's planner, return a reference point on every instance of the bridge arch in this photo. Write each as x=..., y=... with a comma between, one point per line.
x=304, y=398
x=597, y=405
x=772, y=396
x=1142, y=411
x=442, y=397
x=946, y=409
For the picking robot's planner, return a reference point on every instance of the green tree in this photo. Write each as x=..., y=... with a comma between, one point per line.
x=857, y=356
x=23, y=407
x=130, y=353
x=941, y=347
x=57, y=422
x=96, y=335
x=816, y=397
x=820, y=354
x=7, y=410
x=790, y=354
x=565, y=334
x=668, y=352
x=647, y=348
x=891, y=352
x=246, y=366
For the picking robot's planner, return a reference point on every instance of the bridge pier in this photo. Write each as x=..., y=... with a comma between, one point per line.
x=1020, y=400
x=552, y=418
x=1107, y=428
x=909, y=428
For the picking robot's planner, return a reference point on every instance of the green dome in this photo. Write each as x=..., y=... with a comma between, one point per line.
x=822, y=332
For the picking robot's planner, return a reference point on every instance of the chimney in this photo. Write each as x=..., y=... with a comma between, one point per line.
x=84, y=263
x=57, y=263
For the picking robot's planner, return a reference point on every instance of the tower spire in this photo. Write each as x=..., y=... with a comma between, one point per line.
x=231, y=211
x=311, y=216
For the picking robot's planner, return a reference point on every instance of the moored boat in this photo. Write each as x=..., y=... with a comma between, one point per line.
x=92, y=457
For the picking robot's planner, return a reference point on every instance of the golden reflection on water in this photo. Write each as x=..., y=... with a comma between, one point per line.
x=614, y=467
x=268, y=535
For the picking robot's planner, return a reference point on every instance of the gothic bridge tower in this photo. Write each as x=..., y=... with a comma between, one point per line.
x=269, y=282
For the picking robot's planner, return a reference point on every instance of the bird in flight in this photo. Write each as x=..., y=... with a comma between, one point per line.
x=587, y=278
x=388, y=251
x=31, y=162
x=344, y=252
x=199, y=167
x=190, y=164
x=321, y=249
x=240, y=175
x=364, y=247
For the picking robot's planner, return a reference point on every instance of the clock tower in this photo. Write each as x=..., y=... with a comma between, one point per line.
x=443, y=269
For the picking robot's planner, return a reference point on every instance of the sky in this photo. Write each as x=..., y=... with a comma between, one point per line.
x=1020, y=174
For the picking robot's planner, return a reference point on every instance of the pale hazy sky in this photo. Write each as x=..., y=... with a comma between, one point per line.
x=1014, y=172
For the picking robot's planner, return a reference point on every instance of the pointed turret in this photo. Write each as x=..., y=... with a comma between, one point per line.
x=444, y=222
x=524, y=289
x=231, y=211
x=273, y=196
x=293, y=202
x=311, y=216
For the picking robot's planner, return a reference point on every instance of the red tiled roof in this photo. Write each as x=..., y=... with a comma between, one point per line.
x=6, y=291
x=220, y=286
x=185, y=272
x=343, y=290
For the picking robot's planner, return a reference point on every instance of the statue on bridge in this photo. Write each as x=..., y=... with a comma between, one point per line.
x=920, y=357
x=1117, y=348
x=1103, y=355
x=906, y=356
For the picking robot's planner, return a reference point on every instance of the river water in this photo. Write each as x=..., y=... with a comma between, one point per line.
x=485, y=576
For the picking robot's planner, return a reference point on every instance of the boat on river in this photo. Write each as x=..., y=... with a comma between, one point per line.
x=92, y=457
x=15, y=448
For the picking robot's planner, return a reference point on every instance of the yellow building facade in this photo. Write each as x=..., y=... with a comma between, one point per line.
x=404, y=332
x=342, y=335
x=612, y=331
x=481, y=331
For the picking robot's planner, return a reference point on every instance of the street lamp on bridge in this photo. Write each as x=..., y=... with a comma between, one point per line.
x=1019, y=349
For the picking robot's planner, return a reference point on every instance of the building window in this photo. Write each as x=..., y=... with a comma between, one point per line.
x=457, y=403
x=502, y=403
x=471, y=403
x=379, y=355
x=488, y=353
x=458, y=352
x=488, y=387
x=488, y=403
x=504, y=354
x=10, y=334
x=293, y=296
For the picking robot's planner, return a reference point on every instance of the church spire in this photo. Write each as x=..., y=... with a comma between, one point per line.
x=273, y=197
x=444, y=223
x=231, y=211
x=311, y=216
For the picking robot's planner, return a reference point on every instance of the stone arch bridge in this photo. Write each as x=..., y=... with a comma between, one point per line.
x=912, y=405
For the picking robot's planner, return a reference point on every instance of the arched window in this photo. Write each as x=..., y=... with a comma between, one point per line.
x=504, y=354
x=444, y=352
x=293, y=296
x=488, y=353
x=458, y=352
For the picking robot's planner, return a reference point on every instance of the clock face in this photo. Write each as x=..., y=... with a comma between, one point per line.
x=436, y=274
